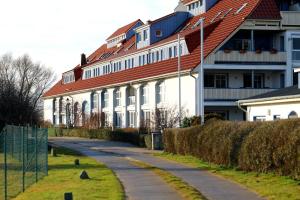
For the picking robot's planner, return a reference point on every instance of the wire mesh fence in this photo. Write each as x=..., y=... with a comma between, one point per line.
x=23, y=158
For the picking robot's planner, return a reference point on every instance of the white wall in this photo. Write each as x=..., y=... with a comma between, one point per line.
x=268, y=111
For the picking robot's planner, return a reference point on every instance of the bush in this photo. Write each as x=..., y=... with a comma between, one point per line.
x=260, y=147
x=123, y=135
x=148, y=141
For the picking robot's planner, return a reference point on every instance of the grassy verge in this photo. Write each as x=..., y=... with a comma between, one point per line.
x=269, y=186
x=64, y=177
x=184, y=189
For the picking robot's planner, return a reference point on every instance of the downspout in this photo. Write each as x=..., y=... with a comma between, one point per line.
x=191, y=74
x=242, y=109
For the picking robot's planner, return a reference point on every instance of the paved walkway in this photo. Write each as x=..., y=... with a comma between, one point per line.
x=114, y=155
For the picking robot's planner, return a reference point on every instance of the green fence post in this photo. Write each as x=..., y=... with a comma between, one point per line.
x=36, y=155
x=5, y=164
x=23, y=159
x=46, y=146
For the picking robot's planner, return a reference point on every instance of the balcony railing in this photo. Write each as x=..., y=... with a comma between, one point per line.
x=249, y=56
x=232, y=94
x=290, y=18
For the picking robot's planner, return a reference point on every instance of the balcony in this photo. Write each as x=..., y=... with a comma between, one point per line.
x=248, y=57
x=232, y=94
x=290, y=18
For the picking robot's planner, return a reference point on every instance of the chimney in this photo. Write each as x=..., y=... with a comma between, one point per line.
x=83, y=59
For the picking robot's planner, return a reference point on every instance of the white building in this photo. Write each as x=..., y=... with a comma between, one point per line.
x=248, y=51
x=276, y=105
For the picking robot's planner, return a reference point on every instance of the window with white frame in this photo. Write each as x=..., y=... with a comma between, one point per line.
x=132, y=119
x=147, y=118
x=118, y=97
x=170, y=52
x=145, y=35
x=94, y=98
x=131, y=96
x=118, y=119
x=259, y=118
x=160, y=92
x=145, y=94
x=296, y=49
x=105, y=99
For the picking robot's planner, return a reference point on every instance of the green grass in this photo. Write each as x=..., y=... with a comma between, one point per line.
x=64, y=177
x=269, y=186
x=183, y=188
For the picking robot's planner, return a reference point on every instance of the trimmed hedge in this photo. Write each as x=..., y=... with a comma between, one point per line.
x=250, y=146
x=123, y=135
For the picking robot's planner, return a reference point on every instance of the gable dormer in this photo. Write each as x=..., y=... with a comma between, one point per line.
x=123, y=33
x=155, y=31
x=195, y=7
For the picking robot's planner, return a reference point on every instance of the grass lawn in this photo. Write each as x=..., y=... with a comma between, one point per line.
x=269, y=186
x=64, y=177
x=183, y=188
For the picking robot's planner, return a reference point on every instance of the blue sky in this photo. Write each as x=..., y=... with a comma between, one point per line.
x=56, y=32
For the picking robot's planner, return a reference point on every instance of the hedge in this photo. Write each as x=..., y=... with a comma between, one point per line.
x=250, y=146
x=123, y=135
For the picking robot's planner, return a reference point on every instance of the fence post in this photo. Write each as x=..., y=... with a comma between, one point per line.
x=23, y=159
x=36, y=155
x=46, y=146
x=5, y=163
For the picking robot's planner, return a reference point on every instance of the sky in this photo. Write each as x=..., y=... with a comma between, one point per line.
x=56, y=32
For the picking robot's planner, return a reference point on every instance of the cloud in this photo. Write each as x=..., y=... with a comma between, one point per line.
x=56, y=32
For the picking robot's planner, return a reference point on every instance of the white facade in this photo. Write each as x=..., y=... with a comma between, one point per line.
x=148, y=95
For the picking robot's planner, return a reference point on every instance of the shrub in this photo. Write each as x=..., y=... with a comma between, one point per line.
x=250, y=146
x=123, y=135
x=148, y=141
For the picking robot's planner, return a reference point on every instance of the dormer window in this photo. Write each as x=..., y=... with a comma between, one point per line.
x=145, y=35
x=158, y=33
x=138, y=37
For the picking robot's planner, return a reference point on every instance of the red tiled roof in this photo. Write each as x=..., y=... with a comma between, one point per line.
x=218, y=31
x=267, y=9
x=123, y=29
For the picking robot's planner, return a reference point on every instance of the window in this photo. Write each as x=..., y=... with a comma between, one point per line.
x=94, y=98
x=157, y=56
x=296, y=49
x=131, y=96
x=259, y=118
x=276, y=117
x=175, y=51
x=247, y=81
x=162, y=55
x=216, y=80
x=138, y=37
x=105, y=99
x=118, y=97
x=209, y=80
x=146, y=118
x=145, y=94
x=259, y=81
x=282, y=46
x=158, y=33
x=145, y=35
x=221, y=81
x=170, y=52
x=293, y=115
x=125, y=64
x=118, y=117
x=160, y=92
x=132, y=119
x=140, y=60
x=153, y=57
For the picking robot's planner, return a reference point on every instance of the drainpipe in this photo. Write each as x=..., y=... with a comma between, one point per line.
x=242, y=109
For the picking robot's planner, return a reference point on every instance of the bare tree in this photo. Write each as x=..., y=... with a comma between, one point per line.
x=167, y=117
x=23, y=83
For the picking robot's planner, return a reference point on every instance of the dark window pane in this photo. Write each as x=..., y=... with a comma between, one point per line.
x=247, y=81
x=296, y=43
x=209, y=80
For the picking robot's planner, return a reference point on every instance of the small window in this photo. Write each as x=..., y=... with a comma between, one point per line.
x=170, y=52
x=241, y=8
x=276, y=117
x=259, y=118
x=158, y=33
x=145, y=35
x=138, y=37
x=175, y=51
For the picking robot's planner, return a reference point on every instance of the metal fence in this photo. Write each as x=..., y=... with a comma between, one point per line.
x=23, y=158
